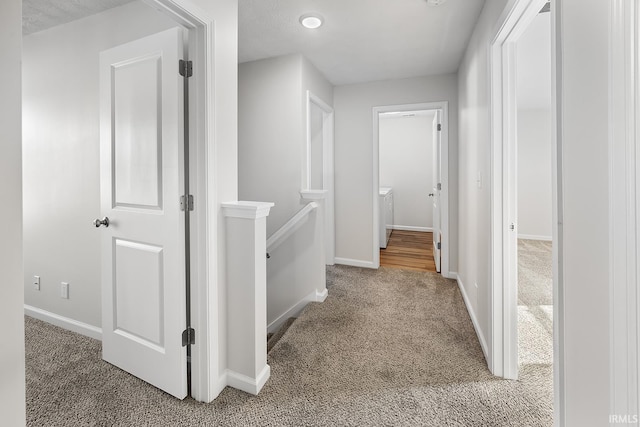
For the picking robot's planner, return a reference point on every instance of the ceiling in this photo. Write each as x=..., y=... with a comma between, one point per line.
x=38, y=15
x=361, y=40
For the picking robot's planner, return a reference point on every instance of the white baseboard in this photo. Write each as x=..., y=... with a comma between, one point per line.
x=450, y=275
x=534, y=237
x=322, y=295
x=248, y=384
x=64, y=322
x=474, y=320
x=355, y=262
x=412, y=228
x=293, y=311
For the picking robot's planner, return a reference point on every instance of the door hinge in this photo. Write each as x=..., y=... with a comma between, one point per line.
x=186, y=202
x=439, y=245
x=439, y=186
x=439, y=127
x=186, y=68
x=188, y=337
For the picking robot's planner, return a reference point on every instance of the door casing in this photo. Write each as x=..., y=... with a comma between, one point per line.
x=327, y=169
x=206, y=383
x=443, y=106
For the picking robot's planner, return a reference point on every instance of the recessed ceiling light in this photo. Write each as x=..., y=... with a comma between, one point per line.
x=311, y=21
x=435, y=2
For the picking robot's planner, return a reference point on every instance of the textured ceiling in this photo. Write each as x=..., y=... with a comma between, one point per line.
x=361, y=40
x=38, y=15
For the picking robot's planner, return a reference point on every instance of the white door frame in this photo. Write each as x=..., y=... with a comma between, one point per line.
x=205, y=383
x=624, y=207
x=327, y=172
x=444, y=172
x=503, y=354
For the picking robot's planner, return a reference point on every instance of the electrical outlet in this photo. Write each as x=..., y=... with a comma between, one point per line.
x=64, y=290
x=36, y=283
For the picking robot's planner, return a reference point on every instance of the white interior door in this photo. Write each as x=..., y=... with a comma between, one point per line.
x=437, y=187
x=142, y=178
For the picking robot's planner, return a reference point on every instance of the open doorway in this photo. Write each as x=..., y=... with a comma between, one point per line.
x=534, y=197
x=410, y=186
x=514, y=129
x=408, y=169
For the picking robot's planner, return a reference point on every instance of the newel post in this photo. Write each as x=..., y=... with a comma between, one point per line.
x=319, y=196
x=247, y=294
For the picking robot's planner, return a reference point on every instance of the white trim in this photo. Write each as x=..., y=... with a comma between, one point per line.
x=356, y=262
x=502, y=356
x=412, y=228
x=444, y=170
x=313, y=194
x=328, y=183
x=295, y=309
x=624, y=207
x=247, y=384
x=535, y=237
x=64, y=322
x=203, y=183
x=453, y=275
x=247, y=210
x=472, y=315
x=290, y=226
x=322, y=295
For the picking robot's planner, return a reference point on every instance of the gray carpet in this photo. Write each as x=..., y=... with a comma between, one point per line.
x=387, y=347
x=535, y=274
x=535, y=299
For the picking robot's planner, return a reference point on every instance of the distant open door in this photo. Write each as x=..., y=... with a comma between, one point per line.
x=143, y=239
x=437, y=187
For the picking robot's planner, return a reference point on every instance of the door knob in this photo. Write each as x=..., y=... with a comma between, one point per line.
x=104, y=221
x=430, y=194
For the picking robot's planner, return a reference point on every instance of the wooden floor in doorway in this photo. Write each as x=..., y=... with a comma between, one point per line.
x=411, y=250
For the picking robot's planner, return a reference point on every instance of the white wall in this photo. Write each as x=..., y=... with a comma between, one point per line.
x=534, y=174
x=582, y=50
x=534, y=128
x=61, y=155
x=474, y=161
x=272, y=131
x=12, y=383
x=583, y=47
x=406, y=165
x=354, y=156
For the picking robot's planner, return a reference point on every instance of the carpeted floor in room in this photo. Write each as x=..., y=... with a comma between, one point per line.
x=535, y=302
x=387, y=347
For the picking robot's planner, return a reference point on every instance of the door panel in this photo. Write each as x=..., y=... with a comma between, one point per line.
x=136, y=92
x=437, y=235
x=142, y=178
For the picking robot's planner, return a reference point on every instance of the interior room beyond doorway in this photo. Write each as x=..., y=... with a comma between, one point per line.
x=408, y=177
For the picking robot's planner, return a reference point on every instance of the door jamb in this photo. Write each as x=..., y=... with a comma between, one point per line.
x=444, y=173
x=624, y=207
x=205, y=381
x=328, y=169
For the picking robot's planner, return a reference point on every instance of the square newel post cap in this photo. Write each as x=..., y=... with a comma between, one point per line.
x=247, y=210
x=313, y=194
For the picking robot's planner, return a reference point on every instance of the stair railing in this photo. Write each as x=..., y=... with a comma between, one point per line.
x=290, y=227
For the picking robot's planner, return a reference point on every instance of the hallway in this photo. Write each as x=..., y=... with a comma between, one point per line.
x=387, y=347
